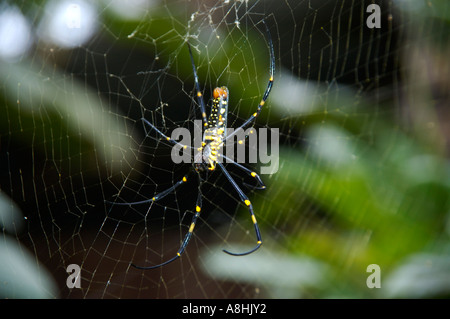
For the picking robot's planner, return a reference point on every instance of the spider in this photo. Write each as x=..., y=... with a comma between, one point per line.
x=207, y=159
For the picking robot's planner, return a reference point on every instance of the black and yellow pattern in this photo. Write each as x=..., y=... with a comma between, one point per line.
x=216, y=131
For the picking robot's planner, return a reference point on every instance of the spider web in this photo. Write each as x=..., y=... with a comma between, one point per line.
x=362, y=174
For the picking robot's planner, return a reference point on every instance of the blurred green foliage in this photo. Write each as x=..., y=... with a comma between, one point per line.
x=361, y=188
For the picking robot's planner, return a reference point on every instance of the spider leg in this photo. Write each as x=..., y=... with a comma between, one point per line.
x=250, y=172
x=266, y=92
x=186, y=239
x=201, y=101
x=164, y=136
x=156, y=197
x=247, y=203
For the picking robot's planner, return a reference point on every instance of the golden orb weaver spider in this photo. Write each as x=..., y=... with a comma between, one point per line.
x=213, y=140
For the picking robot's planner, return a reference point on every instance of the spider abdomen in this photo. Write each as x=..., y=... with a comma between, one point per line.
x=216, y=131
